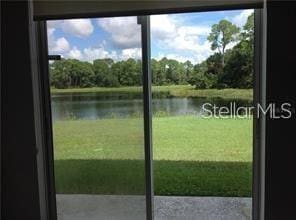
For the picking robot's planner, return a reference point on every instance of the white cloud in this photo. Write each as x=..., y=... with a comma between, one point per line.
x=50, y=32
x=172, y=34
x=74, y=53
x=60, y=45
x=241, y=19
x=78, y=27
x=125, y=32
x=163, y=26
x=188, y=38
x=135, y=53
x=90, y=54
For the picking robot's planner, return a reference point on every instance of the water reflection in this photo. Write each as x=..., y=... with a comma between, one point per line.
x=109, y=105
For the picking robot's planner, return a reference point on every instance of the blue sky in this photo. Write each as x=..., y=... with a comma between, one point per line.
x=177, y=36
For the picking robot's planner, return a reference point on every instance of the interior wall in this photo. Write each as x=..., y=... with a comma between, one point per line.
x=281, y=133
x=19, y=199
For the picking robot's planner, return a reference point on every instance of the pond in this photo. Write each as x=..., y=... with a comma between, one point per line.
x=111, y=105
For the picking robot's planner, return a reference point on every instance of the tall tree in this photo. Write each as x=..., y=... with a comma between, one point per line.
x=222, y=34
x=102, y=68
x=249, y=30
x=238, y=71
x=214, y=64
x=188, y=69
x=175, y=72
x=239, y=67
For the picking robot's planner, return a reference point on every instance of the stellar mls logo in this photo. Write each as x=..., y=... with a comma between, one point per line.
x=272, y=110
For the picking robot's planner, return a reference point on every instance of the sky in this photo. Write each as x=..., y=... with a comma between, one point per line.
x=176, y=36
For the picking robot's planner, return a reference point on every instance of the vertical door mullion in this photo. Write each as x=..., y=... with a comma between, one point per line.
x=259, y=122
x=147, y=98
x=46, y=122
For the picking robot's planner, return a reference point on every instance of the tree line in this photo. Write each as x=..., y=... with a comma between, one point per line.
x=227, y=68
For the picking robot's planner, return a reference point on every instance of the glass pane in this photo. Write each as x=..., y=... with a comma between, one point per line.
x=202, y=160
x=97, y=111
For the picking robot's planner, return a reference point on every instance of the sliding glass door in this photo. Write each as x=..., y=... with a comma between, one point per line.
x=99, y=86
x=101, y=117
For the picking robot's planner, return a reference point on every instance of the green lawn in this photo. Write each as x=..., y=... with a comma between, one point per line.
x=192, y=156
x=172, y=90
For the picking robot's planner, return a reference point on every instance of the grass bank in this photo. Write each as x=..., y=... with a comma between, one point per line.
x=192, y=156
x=173, y=91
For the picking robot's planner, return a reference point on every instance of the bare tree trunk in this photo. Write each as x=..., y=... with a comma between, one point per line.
x=223, y=54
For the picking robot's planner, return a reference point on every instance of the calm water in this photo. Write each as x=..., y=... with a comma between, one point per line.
x=98, y=105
